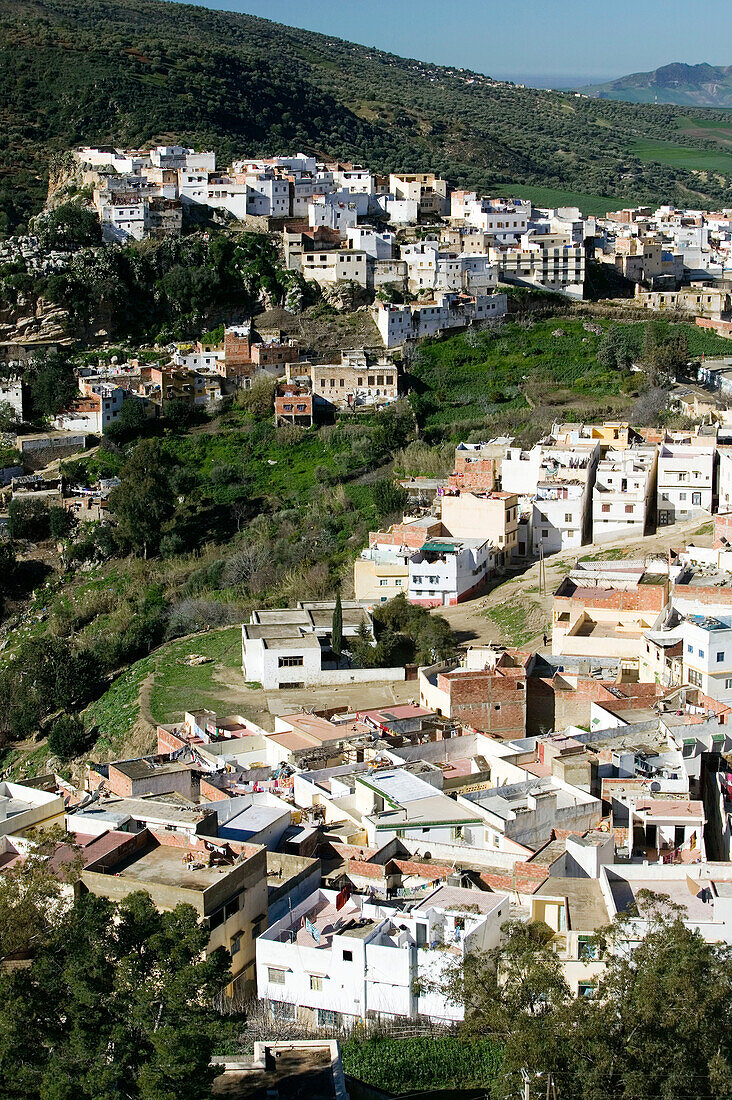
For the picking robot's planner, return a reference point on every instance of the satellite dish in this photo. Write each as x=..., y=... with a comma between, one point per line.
x=655, y=786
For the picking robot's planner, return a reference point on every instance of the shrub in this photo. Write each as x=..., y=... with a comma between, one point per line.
x=67, y=738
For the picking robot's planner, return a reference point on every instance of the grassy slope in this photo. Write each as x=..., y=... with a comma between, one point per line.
x=467, y=380
x=130, y=71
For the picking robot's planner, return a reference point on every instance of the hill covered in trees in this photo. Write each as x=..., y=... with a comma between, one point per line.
x=134, y=71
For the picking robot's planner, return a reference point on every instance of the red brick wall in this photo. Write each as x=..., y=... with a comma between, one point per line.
x=722, y=530
x=209, y=793
x=168, y=741
x=118, y=783
x=644, y=597
x=479, y=474
x=265, y=354
x=237, y=349
x=405, y=535
x=703, y=595
x=724, y=328
x=488, y=701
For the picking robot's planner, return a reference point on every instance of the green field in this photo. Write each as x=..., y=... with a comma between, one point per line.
x=680, y=156
x=716, y=128
x=597, y=205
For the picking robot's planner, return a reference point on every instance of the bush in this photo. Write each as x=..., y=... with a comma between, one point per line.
x=59, y=522
x=67, y=738
x=259, y=398
x=28, y=519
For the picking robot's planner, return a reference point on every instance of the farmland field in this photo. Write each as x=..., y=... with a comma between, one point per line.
x=679, y=156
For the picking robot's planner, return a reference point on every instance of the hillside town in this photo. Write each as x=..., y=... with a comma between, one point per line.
x=382, y=822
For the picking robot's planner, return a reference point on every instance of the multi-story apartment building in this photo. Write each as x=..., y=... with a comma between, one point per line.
x=335, y=959
x=490, y=516
x=544, y=262
x=381, y=572
x=624, y=493
x=224, y=881
x=357, y=380
x=424, y=188
x=707, y=654
x=398, y=324
x=502, y=219
x=449, y=569
x=685, y=481
x=335, y=266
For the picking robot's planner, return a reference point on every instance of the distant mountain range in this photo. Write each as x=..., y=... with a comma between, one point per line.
x=685, y=85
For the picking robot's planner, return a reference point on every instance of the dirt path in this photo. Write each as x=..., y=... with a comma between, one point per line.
x=515, y=611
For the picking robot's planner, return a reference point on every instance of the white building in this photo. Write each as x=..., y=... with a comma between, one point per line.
x=559, y=515
x=334, y=212
x=124, y=218
x=378, y=245
x=291, y=647
x=685, y=481
x=336, y=266
x=335, y=959
x=398, y=324
x=11, y=393
x=446, y=570
x=503, y=219
x=624, y=493
x=707, y=654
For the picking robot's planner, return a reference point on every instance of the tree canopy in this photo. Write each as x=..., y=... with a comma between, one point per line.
x=117, y=1005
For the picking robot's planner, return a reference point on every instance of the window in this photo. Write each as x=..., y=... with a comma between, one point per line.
x=256, y=929
x=586, y=949
x=728, y=685
x=720, y=656
x=628, y=507
x=275, y=976
x=585, y=989
x=216, y=918
x=348, y=956
x=382, y=584
x=236, y=944
x=232, y=907
x=316, y=983
x=567, y=517
x=606, y=507
x=695, y=678
x=701, y=652
x=326, y=1018
x=289, y=662
x=690, y=649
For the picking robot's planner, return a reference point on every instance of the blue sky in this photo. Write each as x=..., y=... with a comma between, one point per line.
x=526, y=38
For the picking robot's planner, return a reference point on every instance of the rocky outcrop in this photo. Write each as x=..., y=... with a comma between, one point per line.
x=44, y=323
x=346, y=297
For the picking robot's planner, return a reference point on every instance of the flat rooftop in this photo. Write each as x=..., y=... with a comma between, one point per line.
x=291, y=1075
x=625, y=892
x=586, y=906
x=459, y=897
x=166, y=866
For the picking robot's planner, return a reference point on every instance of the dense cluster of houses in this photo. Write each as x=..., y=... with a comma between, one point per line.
x=339, y=221
x=679, y=259
x=349, y=858
x=503, y=504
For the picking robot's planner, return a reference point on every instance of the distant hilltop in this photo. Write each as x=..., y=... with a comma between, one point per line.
x=685, y=85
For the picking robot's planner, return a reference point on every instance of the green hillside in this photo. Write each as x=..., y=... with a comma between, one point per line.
x=132, y=71
x=685, y=85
